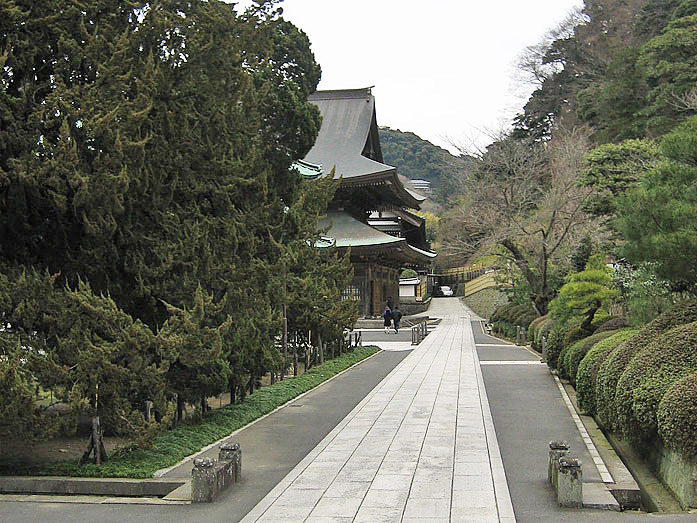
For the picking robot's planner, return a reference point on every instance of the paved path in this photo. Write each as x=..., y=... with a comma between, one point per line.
x=421, y=447
x=271, y=448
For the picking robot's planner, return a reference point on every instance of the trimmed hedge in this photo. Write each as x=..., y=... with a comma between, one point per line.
x=572, y=355
x=509, y=316
x=651, y=373
x=587, y=371
x=677, y=416
x=534, y=329
x=614, y=365
x=501, y=314
x=555, y=344
x=575, y=334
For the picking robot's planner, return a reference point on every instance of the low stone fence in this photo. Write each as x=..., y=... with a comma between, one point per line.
x=210, y=477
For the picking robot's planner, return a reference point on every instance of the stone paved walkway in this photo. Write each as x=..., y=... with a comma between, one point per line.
x=420, y=447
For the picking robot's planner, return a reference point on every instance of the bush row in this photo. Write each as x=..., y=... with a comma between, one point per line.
x=640, y=383
x=587, y=371
x=507, y=317
x=571, y=355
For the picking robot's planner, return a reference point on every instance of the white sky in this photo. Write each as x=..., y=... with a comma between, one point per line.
x=441, y=69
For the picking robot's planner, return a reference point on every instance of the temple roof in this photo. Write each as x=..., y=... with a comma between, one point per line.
x=348, y=140
x=346, y=231
x=347, y=118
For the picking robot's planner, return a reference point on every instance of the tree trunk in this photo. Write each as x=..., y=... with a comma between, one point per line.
x=295, y=356
x=95, y=445
x=320, y=348
x=284, y=339
x=590, y=314
x=180, y=409
x=233, y=393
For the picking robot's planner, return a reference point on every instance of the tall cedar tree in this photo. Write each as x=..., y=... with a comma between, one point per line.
x=145, y=148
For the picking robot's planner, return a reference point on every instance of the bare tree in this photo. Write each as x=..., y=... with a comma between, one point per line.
x=536, y=63
x=523, y=202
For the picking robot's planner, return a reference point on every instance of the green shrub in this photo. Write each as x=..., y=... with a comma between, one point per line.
x=600, y=318
x=502, y=312
x=649, y=375
x=525, y=318
x=543, y=331
x=574, y=334
x=506, y=319
x=613, y=323
x=408, y=273
x=677, y=416
x=505, y=329
x=614, y=365
x=584, y=294
x=555, y=344
x=513, y=313
x=571, y=356
x=587, y=371
x=533, y=333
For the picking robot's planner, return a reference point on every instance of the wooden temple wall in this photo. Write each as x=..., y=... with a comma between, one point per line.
x=376, y=283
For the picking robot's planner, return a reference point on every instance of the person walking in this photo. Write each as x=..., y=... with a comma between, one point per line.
x=396, y=318
x=387, y=316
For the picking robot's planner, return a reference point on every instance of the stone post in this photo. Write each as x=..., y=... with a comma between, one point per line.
x=544, y=348
x=557, y=449
x=523, y=336
x=570, y=483
x=203, y=481
x=232, y=452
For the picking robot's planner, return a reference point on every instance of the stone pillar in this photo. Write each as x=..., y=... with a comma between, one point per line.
x=570, y=483
x=544, y=348
x=557, y=449
x=232, y=452
x=203, y=481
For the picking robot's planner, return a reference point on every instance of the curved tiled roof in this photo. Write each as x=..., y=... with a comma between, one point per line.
x=348, y=117
x=349, y=232
x=346, y=231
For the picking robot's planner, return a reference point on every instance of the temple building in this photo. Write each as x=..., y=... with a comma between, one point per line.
x=372, y=212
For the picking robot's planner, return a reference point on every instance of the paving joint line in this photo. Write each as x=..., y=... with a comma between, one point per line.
x=587, y=440
x=310, y=457
x=267, y=499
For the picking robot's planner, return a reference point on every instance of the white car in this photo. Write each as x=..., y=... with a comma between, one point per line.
x=447, y=291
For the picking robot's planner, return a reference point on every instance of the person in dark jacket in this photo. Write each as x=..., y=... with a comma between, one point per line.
x=387, y=316
x=396, y=317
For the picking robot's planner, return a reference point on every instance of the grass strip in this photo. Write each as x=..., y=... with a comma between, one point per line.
x=173, y=445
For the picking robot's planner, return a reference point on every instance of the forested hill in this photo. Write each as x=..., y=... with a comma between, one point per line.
x=416, y=158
